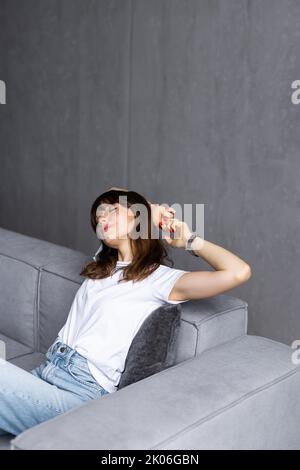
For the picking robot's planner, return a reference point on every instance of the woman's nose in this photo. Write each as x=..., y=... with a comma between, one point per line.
x=102, y=219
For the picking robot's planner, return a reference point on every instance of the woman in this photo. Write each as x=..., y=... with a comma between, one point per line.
x=126, y=281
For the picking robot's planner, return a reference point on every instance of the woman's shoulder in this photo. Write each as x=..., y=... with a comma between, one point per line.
x=166, y=271
x=166, y=268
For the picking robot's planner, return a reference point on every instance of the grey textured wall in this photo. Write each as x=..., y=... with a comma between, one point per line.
x=183, y=100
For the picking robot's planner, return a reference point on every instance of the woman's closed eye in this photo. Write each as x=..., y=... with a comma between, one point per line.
x=103, y=212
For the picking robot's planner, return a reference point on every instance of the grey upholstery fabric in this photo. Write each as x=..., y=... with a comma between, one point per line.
x=226, y=389
x=47, y=276
x=152, y=348
x=243, y=394
x=5, y=441
x=50, y=278
x=14, y=348
x=29, y=361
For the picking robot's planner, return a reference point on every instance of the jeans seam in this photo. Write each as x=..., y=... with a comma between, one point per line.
x=95, y=386
x=46, y=371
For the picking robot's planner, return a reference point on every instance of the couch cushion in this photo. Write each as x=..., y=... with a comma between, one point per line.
x=56, y=296
x=29, y=361
x=152, y=348
x=18, y=289
x=5, y=441
x=21, y=355
x=47, y=278
x=14, y=348
x=208, y=322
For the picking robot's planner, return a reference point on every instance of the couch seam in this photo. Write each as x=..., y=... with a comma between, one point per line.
x=183, y=363
x=37, y=313
x=21, y=355
x=60, y=275
x=19, y=342
x=40, y=267
x=214, y=315
x=201, y=323
x=196, y=328
x=229, y=406
x=19, y=260
x=197, y=340
x=246, y=319
x=270, y=340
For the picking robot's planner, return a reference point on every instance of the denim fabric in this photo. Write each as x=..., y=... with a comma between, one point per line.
x=63, y=381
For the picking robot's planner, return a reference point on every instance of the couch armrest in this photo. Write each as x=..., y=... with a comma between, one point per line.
x=231, y=396
x=209, y=322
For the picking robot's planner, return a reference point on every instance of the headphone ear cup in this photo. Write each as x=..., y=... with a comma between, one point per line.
x=98, y=251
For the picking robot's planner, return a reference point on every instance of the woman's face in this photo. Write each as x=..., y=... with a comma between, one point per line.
x=114, y=222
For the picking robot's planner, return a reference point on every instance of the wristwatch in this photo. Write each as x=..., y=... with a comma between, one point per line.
x=189, y=243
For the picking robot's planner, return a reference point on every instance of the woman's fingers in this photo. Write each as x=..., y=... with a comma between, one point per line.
x=117, y=189
x=168, y=223
x=161, y=214
x=155, y=213
x=166, y=213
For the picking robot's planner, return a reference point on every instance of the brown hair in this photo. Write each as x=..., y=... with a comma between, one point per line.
x=148, y=253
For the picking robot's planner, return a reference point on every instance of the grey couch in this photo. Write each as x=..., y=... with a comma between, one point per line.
x=227, y=390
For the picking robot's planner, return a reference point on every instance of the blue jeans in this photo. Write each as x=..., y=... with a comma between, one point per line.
x=63, y=381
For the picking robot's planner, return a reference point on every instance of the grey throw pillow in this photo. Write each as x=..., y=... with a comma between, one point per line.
x=153, y=346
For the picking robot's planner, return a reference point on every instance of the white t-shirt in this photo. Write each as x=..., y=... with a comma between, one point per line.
x=105, y=316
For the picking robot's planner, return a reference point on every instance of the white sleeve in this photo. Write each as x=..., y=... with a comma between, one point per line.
x=164, y=282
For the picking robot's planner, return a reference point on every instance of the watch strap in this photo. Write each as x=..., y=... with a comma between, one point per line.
x=189, y=243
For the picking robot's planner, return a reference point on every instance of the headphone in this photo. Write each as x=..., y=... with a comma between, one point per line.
x=98, y=251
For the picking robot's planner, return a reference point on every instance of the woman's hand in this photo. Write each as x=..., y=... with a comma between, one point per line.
x=117, y=189
x=180, y=231
x=160, y=214
x=164, y=218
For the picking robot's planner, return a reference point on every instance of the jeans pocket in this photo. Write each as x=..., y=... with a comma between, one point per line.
x=80, y=371
x=37, y=371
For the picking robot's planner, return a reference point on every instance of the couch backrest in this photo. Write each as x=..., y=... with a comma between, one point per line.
x=39, y=280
